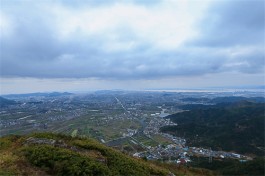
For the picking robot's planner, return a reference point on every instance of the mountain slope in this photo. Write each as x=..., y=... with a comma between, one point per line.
x=238, y=127
x=38, y=94
x=6, y=102
x=55, y=154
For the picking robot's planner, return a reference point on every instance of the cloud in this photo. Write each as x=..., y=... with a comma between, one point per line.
x=131, y=40
x=233, y=23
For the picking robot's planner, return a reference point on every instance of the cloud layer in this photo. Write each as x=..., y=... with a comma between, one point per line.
x=130, y=40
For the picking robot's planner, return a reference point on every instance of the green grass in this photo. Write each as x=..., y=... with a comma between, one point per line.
x=77, y=156
x=146, y=140
x=161, y=139
x=74, y=133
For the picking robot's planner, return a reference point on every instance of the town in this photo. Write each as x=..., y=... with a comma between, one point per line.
x=129, y=121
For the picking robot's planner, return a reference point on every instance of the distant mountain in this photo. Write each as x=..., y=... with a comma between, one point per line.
x=56, y=154
x=196, y=99
x=38, y=94
x=233, y=99
x=206, y=103
x=235, y=127
x=230, y=99
x=109, y=91
x=5, y=102
x=221, y=104
x=57, y=94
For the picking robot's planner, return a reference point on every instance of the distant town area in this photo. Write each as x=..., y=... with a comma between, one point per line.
x=129, y=121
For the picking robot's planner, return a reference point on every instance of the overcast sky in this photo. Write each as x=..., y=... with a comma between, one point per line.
x=82, y=45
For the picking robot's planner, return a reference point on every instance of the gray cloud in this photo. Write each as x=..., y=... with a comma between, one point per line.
x=80, y=3
x=231, y=23
x=34, y=49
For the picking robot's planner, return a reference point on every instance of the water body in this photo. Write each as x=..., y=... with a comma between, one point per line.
x=163, y=113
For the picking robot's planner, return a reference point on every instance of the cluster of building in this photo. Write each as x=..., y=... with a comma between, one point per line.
x=155, y=124
x=177, y=152
x=130, y=133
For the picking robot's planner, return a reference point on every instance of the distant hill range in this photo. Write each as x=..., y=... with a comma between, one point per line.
x=235, y=126
x=6, y=102
x=230, y=99
x=206, y=103
x=38, y=94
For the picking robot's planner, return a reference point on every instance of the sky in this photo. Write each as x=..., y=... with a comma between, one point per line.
x=65, y=45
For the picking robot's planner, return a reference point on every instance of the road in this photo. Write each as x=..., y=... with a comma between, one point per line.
x=121, y=104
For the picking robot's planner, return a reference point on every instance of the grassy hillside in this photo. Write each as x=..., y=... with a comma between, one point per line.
x=238, y=127
x=56, y=154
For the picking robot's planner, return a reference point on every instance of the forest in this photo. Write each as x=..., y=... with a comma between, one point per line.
x=235, y=127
